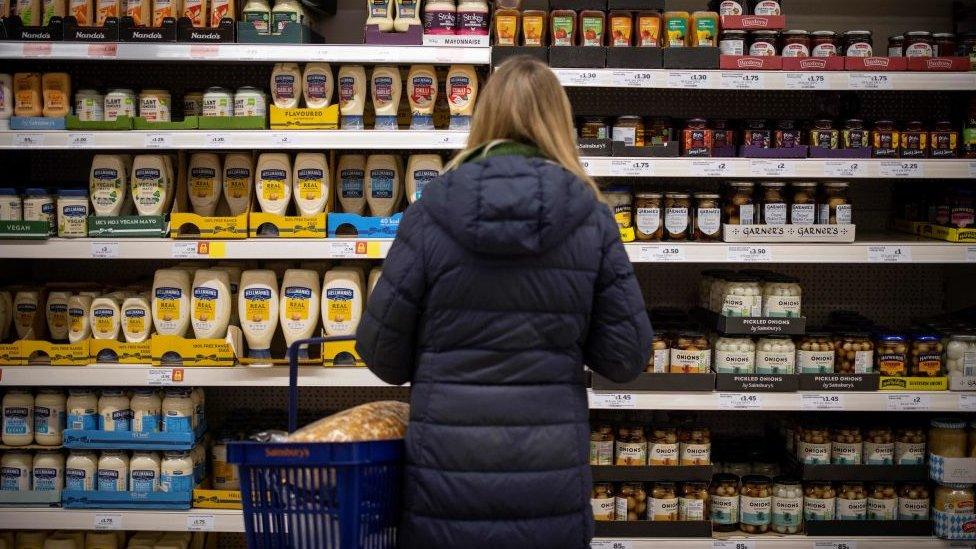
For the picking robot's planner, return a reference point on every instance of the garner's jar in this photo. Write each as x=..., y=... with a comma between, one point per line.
x=707, y=218
x=835, y=205
x=649, y=216
x=772, y=208
x=677, y=210
x=803, y=206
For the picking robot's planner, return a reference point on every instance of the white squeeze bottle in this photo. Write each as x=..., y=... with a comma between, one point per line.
x=238, y=181
x=105, y=319
x=257, y=305
x=274, y=182
x=26, y=320
x=108, y=184
x=351, y=187
x=421, y=170
x=352, y=96
x=299, y=309
x=57, y=315
x=205, y=183
x=374, y=276
x=151, y=184
x=342, y=301
x=382, y=184
x=258, y=13
x=422, y=95
x=79, y=307
x=234, y=272
x=171, y=301
x=210, y=303
x=136, y=319
x=311, y=182
x=385, y=87
x=6, y=314
x=462, y=91
x=407, y=14
x=380, y=14
x=285, y=11
x=286, y=84
x=317, y=85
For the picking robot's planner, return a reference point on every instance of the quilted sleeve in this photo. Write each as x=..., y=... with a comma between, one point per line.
x=386, y=337
x=619, y=340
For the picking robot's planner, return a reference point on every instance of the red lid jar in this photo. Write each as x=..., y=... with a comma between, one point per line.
x=823, y=43
x=858, y=43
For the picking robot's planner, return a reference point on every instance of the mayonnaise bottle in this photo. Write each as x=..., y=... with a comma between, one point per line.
x=317, y=85
x=342, y=301
x=385, y=92
x=238, y=181
x=105, y=319
x=82, y=409
x=79, y=308
x=258, y=13
x=114, y=411
x=171, y=301
x=113, y=471
x=57, y=315
x=18, y=417
x=462, y=91
x=82, y=11
x=151, y=184
x=299, y=310
x=422, y=94
x=15, y=471
x=50, y=417
x=407, y=14
x=136, y=319
x=380, y=14
x=421, y=170
x=286, y=85
x=234, y=272
x=80, y=470
x=178, y=411
x=205, y=183
x=210, y=304
x=28, y=323
x=383, y=184
x=352, y=96
x=144, y=472
x=139, y=11
x=311, y=181
x=48, y=471
x=6, y=314
x=274, y=182
x=146, y=411
x=220, y=9
x=374, y=276
x=196, y=12
x=257, y=305
x=351, y=188
x=176, y=472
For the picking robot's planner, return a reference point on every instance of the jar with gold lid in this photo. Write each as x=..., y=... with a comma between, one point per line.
x=631, y=445
x=724, y=496
x=603, y=502
x=707, y=218
x=739, y=208
x=947, y=437
x=601, y=445
x=649, y=216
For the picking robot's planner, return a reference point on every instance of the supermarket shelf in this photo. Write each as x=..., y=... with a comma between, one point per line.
x=764, y=80
x=932, y=401
x=233, y=139
x=782, y=542
x=25, y=518
x=780, y=168
x=337, y=53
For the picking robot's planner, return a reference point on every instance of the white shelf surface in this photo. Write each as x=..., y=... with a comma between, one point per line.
x=233, y=139
x=868, y=249
x=134, y=375
x=26, y=518
x=929, y=401
x=871, y=168
x=782, y=542
x=336, y=53
x=764, y=80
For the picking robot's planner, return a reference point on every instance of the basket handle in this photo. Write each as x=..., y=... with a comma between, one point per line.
x=293, y=374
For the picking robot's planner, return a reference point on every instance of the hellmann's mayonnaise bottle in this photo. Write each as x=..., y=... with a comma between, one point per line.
x=273, y=182
x=171, y=301
x=105, y=318
x=352, y=96
x=56, y=312
x=210, y=304
x=28, y=322
x=317, y=85
x=286, y=85
x=79, y=308
x=151, y=184
x=422, y=94
x=421, y=170
x=342, y=301
x=238, y=181
x=257, y=305
x=205, y=183
x=385, y=92
x=136, y=319
x=311, y=183
x=462, y=90
x=351, y=183
x=374, y=276
x=383, y=184
x=108, y=184
x=6, y=314
x=299, y=309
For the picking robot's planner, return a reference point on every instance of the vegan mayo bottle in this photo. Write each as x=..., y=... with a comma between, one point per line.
x=385, y=92
x=238, y=181
x=151, y=184
x=274, y=182
x=352, y=96
x=171, y=301
x=79, y=307
x=205, y=183
x=422, y=94
x=108, y=184
x=382, y=184
x=421, y=170
x=317, y=85
x=311, y=181
x=351, y=175
x=105, y=318
x=342, y=301
x=258, y=309
x=299, y=309
x=210, y=303
x=136, y=319
x=57, y=315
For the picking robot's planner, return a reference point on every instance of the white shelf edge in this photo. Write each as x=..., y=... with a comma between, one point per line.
x=785, y=542
x=838, y=168
x=938, y=401
x=28, y=518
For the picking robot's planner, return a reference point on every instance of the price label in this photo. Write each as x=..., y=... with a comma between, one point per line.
x=967, y=403
x=581, y=78
x=633, y=79
x=689, y=80
x=108, y=521
x=970, y=254
x=909, y=402
x=749, y=254
x=165, y=376
x=834, y=545
x=158, y=141
x=28, y=140
x=889, y=254
x=822, y=402
x=283, y=139
x=342, y=250
x=628, y=167
x=661, y=254
x=456, y=139
x=843, y=168
x=188, y=250
x=105, y=250
x=204, y=52
x=615, y=401
x=972, y=169
x=103, y=50
x=868, y=81
x=901, y=168
x=199, y=523
x=710, y=168
x=586, y=164
x=611, y=544
x=81, y=140
x=743, y=80
x=805, y=81
x=37, y=49
x=217, y=140
x=733, y=544
x=772, y=168
x=739, y=401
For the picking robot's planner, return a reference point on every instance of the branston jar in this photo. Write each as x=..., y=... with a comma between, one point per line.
x=764, y=43
x=732, y=42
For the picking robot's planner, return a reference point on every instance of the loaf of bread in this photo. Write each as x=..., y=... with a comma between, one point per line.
x=383, y=420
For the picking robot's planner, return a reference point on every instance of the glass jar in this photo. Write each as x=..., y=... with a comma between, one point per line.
x=882, y=501
x=852, y=501
x=663, y=504
x=909, y=446
x=961, y=355
x=660, y=358
x=705, y=281
x=944, y=140
x=603, y=502
x=722, y=134
x=707, y=218
x=742, y=296
x=926, y=356
x=782, y=297
x=896, y=45
x=697, y=138
x=819, y=501
x=757, y=134
x=891, y=355
x=879, y=446
x=947, y=437
x=854, y=135
x=787, y=506
x=824, y=135
x=677, y=210
x=693, y=501
x=913, y=501
x=787, y=135
x=631, y=502
x=629, y=130
x=695, y=446
x=732, y=42
x=630, y=446
x=944, y=44
x=657, y=132
x=595, y=128
x=724, y=499
x=803, y=203
x=954, y=499
x=919, y=44
x=823, y=43
x=601, y=445
x=649, y=216
x=885, y=139
x=739, y=208
x=775, y=355
x=858, y=43
x=772, y=206
x=662, y=448
x=691, y=354
x=735, y=355
x=914, y=140
x=796, y=43
x=620, y=200
x=846, y=446
x=764, y=43
x=815, y=353
x=755, y=501
x=835, y=205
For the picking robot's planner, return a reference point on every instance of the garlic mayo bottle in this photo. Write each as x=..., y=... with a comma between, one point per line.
x=342, y=301
x=79, y=307
x=421, y=170
x=210, y=304
x=385, y=89
x=151, y=184
x=105, y=318
x=136, y=319
x=171, y=301
x=274, y=182
x=108, y=184
x=257, y=304
x=238, y=181
x=56, y=312
x=352, y=96
x=351, y=187
x=311, y=181
x=380, y=14
x=382, y=184
x=299, y=309
x=205, y=183
x=286, y=85
x=317, y=85
x=422, y=94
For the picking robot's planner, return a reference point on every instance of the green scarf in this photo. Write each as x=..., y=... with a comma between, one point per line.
x=503, y=148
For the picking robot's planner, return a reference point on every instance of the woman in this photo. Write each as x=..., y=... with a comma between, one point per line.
x=504, y=279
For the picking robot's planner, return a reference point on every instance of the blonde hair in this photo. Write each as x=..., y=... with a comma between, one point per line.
x=523, y=101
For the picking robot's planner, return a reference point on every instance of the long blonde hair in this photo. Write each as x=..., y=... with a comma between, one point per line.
x=523, y=101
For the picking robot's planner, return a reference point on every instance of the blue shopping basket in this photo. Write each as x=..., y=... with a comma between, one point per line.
x=324, y=495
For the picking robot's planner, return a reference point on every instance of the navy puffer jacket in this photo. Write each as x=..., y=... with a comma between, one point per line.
x=504, y=279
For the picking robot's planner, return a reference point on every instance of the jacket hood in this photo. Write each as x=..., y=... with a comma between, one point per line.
x=509, y=205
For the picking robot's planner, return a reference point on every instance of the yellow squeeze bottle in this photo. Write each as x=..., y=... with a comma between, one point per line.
x=704, y=29
x=676, y=27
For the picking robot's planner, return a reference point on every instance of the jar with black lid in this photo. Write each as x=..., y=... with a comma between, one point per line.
x=677, y=210
x=824, y=135
x=757, y=134
x=697, y=138
x=772, y=207
x=732, y=42
x=919, y=44
x=722, y=134
x=787, y=135
x=854, y=135
x=944, y=140
x=885, y=138
x=803, y=203
x=764, y=43
x=796, y=43
x=629, y=129
x=945, y=44
x=595, y=128
x=914, y=140
x=896, y=46
x=657, y=132
x=823, y=43
x=739, y=207
x=649, y=216
x=858, y=43
x=707, y=218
